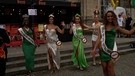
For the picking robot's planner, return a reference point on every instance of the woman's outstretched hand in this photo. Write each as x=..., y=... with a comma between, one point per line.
x=71, y=24
x=63, y=23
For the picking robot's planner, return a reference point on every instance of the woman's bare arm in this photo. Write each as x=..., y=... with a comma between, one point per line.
x=59, y=30
x=124, y=31
x=44, y=37
x=89, y=27
x=71, y=30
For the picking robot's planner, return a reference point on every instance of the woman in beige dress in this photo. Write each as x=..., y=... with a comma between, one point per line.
x=96, y=24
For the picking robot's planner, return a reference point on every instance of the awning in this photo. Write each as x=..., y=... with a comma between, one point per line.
x=42, y=2
x=8, y=1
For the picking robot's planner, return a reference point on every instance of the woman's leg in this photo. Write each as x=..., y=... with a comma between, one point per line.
x=104, y=67
x=29, y=53
x=77, y=51
x=50, y=59
x=110, y=67
x=93, y=55
x=76, y=54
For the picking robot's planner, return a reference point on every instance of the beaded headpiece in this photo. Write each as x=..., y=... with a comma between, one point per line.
x=51, y=15
x=25, y=17
x=77, y=15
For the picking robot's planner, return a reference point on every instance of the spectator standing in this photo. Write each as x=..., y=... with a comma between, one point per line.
x=128, y=24
x=4, y=38
x=120, y=22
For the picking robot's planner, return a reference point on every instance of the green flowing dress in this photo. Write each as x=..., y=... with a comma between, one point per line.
x=28, y=50
x=109, y=41
x=79, y=47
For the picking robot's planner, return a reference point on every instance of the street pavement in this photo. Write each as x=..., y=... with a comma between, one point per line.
x=125, y=66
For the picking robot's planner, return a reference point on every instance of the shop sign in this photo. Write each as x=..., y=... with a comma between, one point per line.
x=40, y=27
x=21, y=1
x=41, y=2
x=54, y=0
x=2, y=26
x=73, y=4
x=32, y=12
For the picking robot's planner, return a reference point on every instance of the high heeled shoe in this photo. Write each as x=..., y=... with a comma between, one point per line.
x=94, y=64
x=29, y=73
x=77, y=67
x=81, y=69
x=52, y=71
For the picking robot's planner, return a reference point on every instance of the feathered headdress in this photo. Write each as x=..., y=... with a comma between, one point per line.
x=109, y=8
x=96, y=12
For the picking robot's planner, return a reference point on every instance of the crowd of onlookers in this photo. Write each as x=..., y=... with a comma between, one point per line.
x=125, y=22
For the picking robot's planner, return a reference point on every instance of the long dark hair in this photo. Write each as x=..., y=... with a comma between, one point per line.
x=114, y=23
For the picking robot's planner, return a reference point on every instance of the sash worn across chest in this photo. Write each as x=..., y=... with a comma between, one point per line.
x=113, y=53
x=83, y=39
x=94, y=25
x=26, y=36
x=58, y=43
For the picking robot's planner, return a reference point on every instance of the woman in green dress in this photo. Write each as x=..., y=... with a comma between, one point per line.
x=111, y=27
x=28, y=46
x=78, y=56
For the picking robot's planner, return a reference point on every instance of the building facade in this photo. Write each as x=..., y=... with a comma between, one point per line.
x=88, y=6
x=84, y=7
x=129, y=8
x=11, y=11
x=87, y=9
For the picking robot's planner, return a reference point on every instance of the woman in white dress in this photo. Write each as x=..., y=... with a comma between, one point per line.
x=50, y=36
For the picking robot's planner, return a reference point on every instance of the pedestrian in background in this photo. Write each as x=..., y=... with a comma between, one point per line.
x=4, y=38
x=110, y=26
x=96, y=24
x=128, y=24
x=120, y=22
x=50, y=36
x=28, y=44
